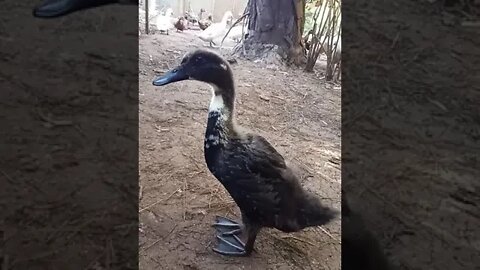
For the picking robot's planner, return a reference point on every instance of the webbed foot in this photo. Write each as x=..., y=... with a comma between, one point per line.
x=229, y=243
x=226, y=226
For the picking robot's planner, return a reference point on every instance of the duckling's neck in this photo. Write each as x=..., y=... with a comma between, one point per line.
x=220, y=123
x=223, y=101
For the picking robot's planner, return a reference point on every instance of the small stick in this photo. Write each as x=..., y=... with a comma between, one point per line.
x=53, y=122
x=327, y=233
x=140, y=196
x=235, y=23
x=185, y=187
x=9, y=179
x=152, y=244
x=157, y=202
x=298, y=239
x=160, y=239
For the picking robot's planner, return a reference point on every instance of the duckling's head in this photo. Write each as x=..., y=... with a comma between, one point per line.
x=201, y=65
x=227, y=17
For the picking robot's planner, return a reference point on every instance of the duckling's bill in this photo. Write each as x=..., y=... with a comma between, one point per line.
x=174, y=75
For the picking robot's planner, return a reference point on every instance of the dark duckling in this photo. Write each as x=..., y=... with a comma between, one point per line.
x=204, y=24
x=181, y=24
x=58, y=8
x=253, y=172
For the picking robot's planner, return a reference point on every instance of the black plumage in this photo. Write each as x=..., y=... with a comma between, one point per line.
x=253, y=172
x=58, y=8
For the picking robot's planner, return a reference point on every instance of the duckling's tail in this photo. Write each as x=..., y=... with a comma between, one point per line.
x=314, y=213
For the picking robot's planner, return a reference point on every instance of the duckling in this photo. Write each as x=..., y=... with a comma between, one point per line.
x=57, y=8
x=191, y=16
x=181, y=24
x=255, y=175
x=307, y=39
x=165, y=22
x=200, y=15
x=236, y=33
x=216, y=30
x=204, y=24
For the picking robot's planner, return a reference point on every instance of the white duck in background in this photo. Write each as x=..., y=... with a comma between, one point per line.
x=217, y=30
x=236, y=32
x=165, y=22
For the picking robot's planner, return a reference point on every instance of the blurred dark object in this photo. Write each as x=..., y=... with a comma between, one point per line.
x=58, y=8
x=360, y=249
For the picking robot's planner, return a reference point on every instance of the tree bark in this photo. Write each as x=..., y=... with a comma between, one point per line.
x=276, y=24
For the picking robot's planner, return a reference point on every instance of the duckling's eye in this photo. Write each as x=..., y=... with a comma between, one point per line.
x=198, y=60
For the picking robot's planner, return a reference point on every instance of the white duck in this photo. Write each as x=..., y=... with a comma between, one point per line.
x=217, y=30
x=236, y=32
x=165, y=22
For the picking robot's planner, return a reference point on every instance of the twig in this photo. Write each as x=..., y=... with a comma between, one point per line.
x=140, y=196
x=264, y=98
x=55, y=231
x=185, y=187
x=299, y=239
x=160, y=239
x=327, y=233
x=9, y=179
x=93, y=262
x=235, y=23
x=470, y=24
x=157, y=202
x=152, y=244
x=53, y=122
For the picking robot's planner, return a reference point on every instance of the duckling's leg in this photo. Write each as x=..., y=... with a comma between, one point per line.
x=232, y=245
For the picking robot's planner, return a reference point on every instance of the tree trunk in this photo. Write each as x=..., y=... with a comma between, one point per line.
x=276, y=25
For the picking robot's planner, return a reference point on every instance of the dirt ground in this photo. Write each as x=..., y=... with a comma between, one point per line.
x=411, y=134
x=68, y=114
x=424, y=209
x=297, y=112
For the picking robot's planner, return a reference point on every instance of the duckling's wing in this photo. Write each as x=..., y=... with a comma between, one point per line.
x=268, y=191
x=266, y=188
x=266, y=154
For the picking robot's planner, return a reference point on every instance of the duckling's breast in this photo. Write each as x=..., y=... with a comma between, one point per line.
x=215, y=141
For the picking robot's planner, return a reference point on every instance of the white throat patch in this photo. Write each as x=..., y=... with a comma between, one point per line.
x=216, y=104
x=223, y=66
